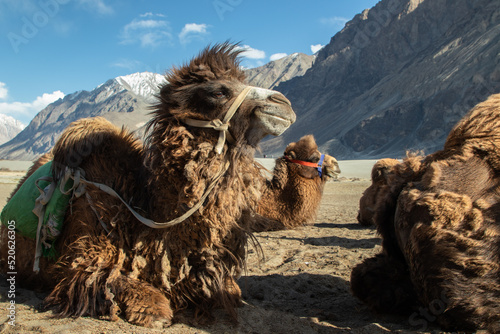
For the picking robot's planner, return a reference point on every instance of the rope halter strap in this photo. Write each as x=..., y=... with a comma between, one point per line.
x=221, y=126
x=318, y=166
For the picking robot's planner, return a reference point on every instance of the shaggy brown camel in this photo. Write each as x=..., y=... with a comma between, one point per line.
x=439, y=220
x=198, y=153
x=291, y=198
x=380, y=174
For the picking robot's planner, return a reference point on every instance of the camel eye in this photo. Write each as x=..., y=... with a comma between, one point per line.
x=219, y=95
x=315, y=157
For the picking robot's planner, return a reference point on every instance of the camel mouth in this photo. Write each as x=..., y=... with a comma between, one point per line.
x=286, y=116
x=331, y=167
x=332, y=173
x=275, y=120
x=279, y=118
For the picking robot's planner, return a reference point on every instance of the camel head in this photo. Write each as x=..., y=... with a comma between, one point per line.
x=203, y=94
x=381, y=171
x=389, y=176
x=305, y=157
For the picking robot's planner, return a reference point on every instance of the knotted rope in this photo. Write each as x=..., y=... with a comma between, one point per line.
x=222, y=126
x=79, y=188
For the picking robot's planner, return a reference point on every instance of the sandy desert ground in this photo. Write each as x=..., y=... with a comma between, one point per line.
x=300, y=286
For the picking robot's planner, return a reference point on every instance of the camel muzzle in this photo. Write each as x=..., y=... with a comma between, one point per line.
x=281, y=120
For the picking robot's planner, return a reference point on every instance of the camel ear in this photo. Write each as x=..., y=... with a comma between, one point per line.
x=379, y=174
x=280, y=174
x=290, y=151
x=382, y=170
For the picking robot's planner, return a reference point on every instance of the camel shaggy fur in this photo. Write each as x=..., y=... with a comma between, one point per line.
x=291, y=198
x=380, y=172
x=110, y=263
x=439, y=220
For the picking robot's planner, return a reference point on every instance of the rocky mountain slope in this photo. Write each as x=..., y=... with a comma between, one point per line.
x=278, y=71
x=123, y=101
x=397, y=77
x=9, y=128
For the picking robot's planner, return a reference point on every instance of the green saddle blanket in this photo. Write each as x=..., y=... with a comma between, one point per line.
x=20, y=210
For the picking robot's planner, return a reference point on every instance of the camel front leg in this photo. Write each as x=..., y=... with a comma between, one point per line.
x=384, y=284
x=92, y=283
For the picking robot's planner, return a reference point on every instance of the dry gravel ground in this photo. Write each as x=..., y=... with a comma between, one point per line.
x=300, y=286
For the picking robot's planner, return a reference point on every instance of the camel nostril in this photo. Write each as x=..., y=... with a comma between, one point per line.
x=280, y=98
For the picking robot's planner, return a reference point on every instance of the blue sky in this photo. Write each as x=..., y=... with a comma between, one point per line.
x=49, y=48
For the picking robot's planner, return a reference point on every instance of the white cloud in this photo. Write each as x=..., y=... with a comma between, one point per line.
x=251, y=57
x=97, y=5
x=334, y=21
x=249, y=63
x=192, y=31
x=3, y=91
x=29, y=109
x=316, y=47
x=145, y=24
x=149, y=14
x=149, y=32
x=277, y=56
x=252, y=53
x=46, y=99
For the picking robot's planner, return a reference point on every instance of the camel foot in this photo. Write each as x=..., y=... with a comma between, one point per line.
x=145, y=305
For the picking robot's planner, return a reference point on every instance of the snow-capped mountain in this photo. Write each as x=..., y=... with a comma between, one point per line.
x=144, y=84
x=124, y=101
x=9, y=128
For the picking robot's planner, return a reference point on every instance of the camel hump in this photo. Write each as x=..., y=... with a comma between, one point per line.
x=88, y=140
x=479, y=131
x=480, y=124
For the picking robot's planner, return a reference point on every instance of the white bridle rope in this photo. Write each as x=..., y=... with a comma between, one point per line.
x=221, y=126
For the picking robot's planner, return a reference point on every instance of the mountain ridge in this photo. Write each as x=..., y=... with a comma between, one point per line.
x=123, y=101
x=275, y=72
x=396, y=78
